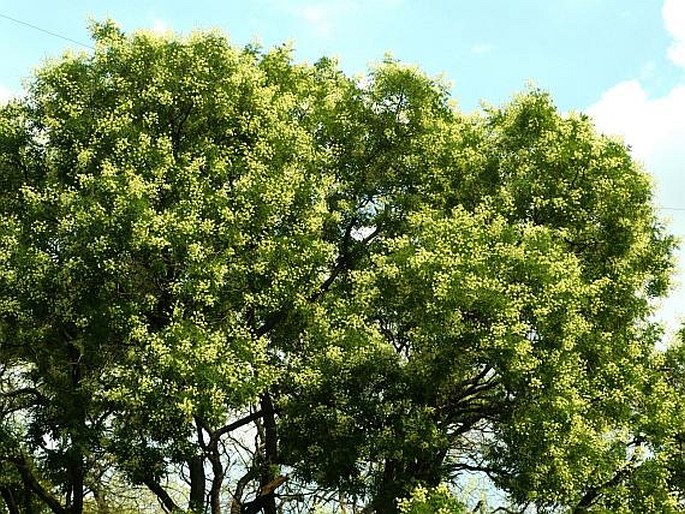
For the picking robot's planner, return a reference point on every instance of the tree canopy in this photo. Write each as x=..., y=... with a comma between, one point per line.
x=230, y=282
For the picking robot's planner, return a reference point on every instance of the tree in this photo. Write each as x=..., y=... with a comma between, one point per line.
x=436, y=501
x=232, y=279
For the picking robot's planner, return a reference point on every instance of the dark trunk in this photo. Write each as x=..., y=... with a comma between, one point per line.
x=33, y=485
x=388, y=489
x=75, y=464
x=266, y=464
x=269, y=471
x=400, y=477
x=217, y=479
x=197, y=484
x=77, y=474
x=164, y=499
x=10, y=500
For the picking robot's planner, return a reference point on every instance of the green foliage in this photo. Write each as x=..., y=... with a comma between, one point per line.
x=398, y=294
x=435, y=501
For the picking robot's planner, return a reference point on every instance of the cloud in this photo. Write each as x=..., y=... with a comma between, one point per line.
x=649, y=125
x=5, y=95
x=160, y=26
x=673, y=13
x=654, y=127
x=321, y=16
x=482, y=48
x=324, y=16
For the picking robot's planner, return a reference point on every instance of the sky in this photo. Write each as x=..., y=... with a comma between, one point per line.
x=621, y=61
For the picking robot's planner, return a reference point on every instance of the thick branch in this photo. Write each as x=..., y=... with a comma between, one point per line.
x=22, y=466
x=165, y=500
x=343, y=263
x=10, y=502
x=236, y=504
x=592, y=494
x=476, y=468
x=237, y=424
x=217, y=481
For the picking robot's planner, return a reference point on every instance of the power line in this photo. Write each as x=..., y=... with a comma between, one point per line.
x=55, y=34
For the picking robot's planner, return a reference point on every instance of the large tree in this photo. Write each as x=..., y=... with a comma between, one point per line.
x=242, y=283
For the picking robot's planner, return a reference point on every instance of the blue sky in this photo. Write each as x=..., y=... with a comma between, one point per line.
x=623, y=61
x=488, y=48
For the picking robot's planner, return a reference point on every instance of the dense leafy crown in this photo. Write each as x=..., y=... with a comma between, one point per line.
x=212, y=255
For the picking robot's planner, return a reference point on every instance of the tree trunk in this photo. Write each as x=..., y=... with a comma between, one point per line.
x=10, y=500
x=101, y=502
x=388, y=488
x=163, y=497
x=77, y=474
x=197, y=484
x=268, y=472
x=401, y=476
x=75, y=464
x=217, y=479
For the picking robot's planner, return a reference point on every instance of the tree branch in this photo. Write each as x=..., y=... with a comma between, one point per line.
x=235, y=425
x=21, y=464
x=343, y=262
x=593, y=493
x=163, y=497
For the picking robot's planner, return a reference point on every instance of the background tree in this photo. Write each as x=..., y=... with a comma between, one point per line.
x=241, y=282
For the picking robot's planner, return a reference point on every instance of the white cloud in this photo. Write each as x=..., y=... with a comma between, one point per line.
x=160, y=27
x=648, y=125
x=655, y=130
x=482, y=48
x=322, y=16
x=673, y=13
x=5, y=95
x=654, y=127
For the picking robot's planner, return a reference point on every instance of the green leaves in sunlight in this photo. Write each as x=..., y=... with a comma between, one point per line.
x=234, y=283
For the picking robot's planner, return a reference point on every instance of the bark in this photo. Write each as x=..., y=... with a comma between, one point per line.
x=217, y=479
x=400, y=476
x=237, y=424
x=593, y=494
x=266, y=468
x=101, y=502
x=236, y=504
x=10, y=500
x=197, y=484
x=265, y=497
x=164, y=499
x=34, y=485
x=212, y=453
x=268, y=473
x=75, y=458
x=77, y=473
